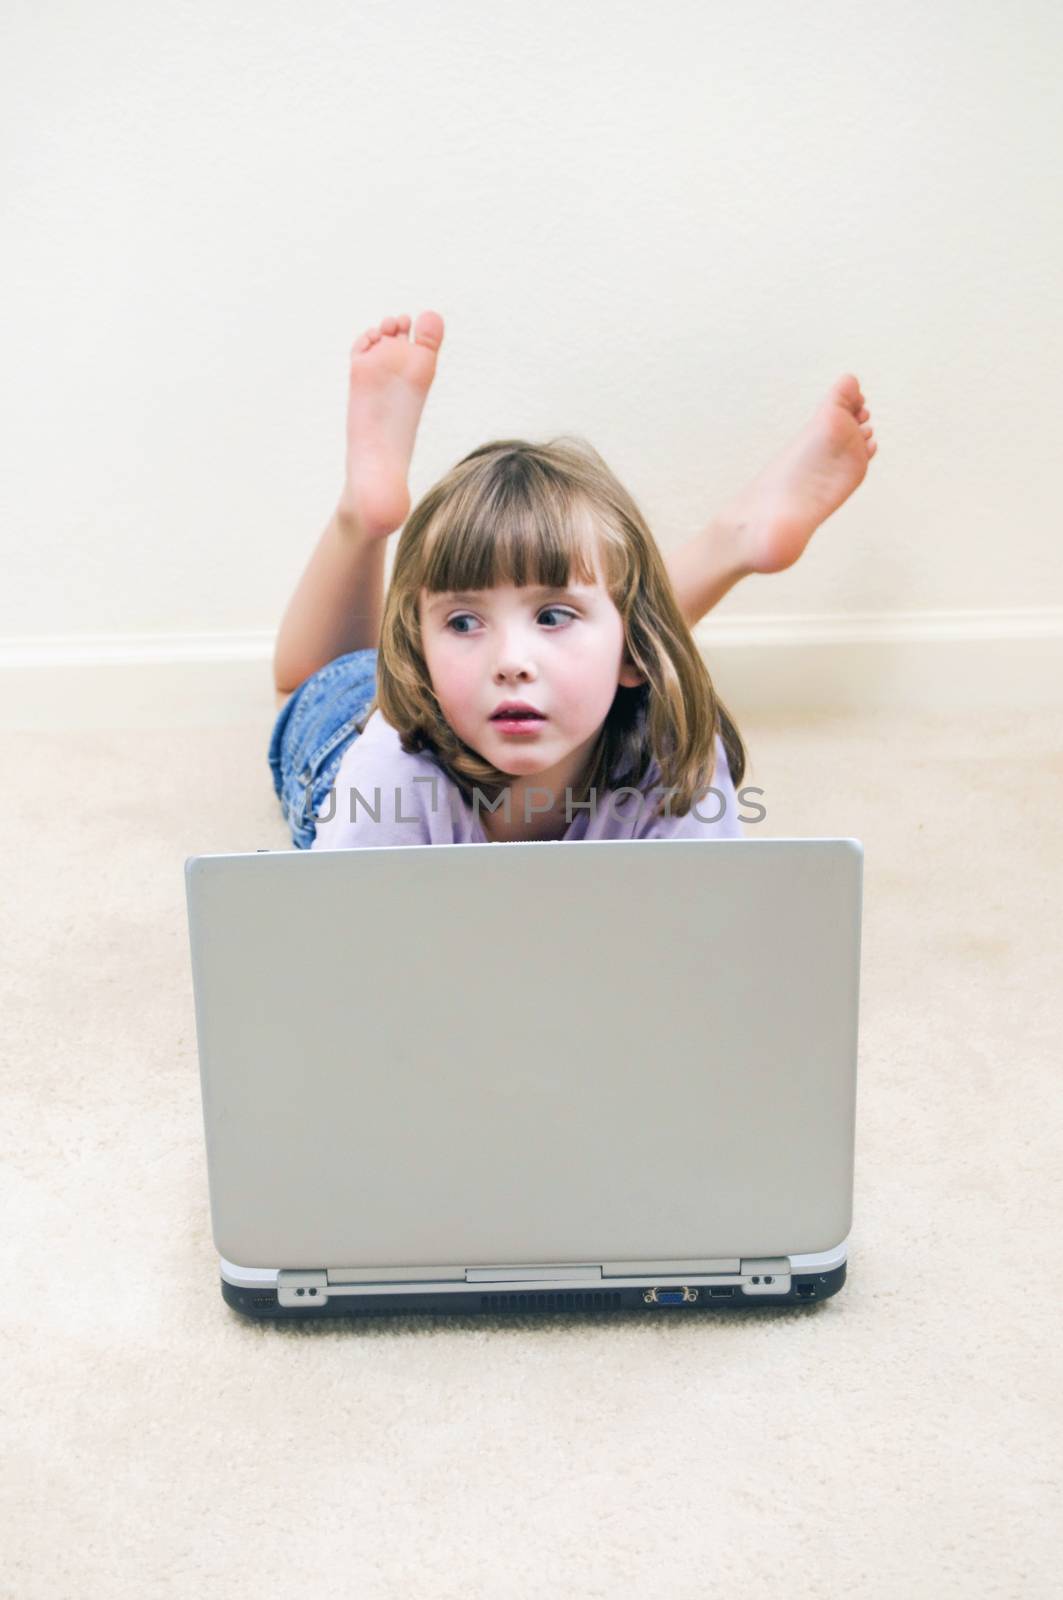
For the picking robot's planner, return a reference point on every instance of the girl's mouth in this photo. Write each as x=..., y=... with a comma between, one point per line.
x=513, y=722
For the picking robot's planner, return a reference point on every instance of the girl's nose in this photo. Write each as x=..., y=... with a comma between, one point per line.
x=512, y=668
x=514, y=658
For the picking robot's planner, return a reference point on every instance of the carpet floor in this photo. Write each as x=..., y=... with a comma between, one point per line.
x=899, y=1441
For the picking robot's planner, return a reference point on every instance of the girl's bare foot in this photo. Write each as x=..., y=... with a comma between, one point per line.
x=774, y=518
x=390, y=379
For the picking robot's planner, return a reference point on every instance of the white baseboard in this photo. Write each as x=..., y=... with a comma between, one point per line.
x=134, y=649
x=929, y=661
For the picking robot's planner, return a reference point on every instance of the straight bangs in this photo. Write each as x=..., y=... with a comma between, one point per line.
x=519, y=524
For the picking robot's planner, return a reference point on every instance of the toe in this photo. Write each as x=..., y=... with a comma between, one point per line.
x=862, y=416
x=846, y=390
x=404, y=323
x=389, y=325
x=428, y=330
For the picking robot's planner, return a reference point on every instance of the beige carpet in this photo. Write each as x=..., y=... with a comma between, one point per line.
x=901, y=1440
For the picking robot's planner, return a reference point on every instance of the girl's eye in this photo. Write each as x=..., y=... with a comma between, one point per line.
x=465, y=616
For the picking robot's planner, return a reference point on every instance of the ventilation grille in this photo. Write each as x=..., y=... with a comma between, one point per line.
x=554, y=1300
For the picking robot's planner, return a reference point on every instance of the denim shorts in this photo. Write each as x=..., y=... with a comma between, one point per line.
x=312, y=732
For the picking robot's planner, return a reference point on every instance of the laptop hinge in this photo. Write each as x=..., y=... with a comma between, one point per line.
x=674, y=1268
x=765, y=1274
x=312, y=1287
x=308, y=1288
x=569, y=1274
x=396, y=1275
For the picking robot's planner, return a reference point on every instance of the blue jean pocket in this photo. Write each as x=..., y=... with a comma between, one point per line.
x=311, y=735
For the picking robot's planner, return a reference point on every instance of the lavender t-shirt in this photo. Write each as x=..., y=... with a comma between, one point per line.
x=382, y=795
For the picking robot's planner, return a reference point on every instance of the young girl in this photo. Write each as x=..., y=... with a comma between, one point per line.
x=526, y=581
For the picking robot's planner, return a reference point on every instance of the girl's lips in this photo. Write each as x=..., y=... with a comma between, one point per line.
x=517, y=724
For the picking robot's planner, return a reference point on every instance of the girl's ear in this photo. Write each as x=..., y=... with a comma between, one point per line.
x=630, y=676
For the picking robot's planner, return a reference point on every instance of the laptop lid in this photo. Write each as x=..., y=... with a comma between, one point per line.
x=461, y=1056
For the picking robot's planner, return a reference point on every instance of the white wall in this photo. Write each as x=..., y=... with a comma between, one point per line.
x=667, y=228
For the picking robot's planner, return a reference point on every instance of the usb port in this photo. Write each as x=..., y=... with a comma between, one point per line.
x=723, y=1293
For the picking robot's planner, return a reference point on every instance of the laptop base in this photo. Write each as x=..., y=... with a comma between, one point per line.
x=806, y=1288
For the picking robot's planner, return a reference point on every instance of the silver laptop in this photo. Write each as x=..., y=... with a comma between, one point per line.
x=529, y=1077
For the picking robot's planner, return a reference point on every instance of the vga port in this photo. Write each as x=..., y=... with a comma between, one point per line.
x=669, y=1297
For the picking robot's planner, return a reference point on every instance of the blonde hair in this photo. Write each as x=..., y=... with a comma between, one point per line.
x=513, y=512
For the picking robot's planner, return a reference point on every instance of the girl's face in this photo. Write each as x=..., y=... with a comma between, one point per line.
x=561, y=651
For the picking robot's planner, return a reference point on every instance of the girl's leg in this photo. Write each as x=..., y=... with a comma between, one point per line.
x=768, y=525
x=705, y=568
x=339, y=601
x=337, y=604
